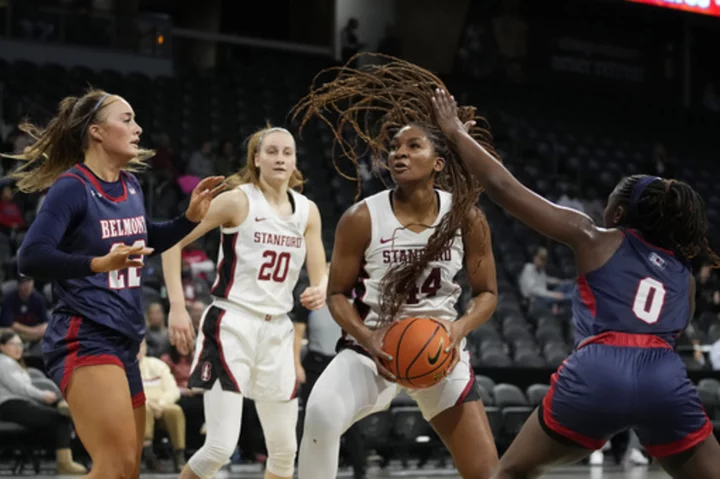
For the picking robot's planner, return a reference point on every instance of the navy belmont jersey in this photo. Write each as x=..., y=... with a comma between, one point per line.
x=113, y=299
x=642, y=289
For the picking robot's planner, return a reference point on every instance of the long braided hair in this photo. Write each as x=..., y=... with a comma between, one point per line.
x=669, y=214
x=373, y=103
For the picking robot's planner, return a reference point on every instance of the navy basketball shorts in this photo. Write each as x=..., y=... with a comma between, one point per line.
x=616, y=381
x=72, y=342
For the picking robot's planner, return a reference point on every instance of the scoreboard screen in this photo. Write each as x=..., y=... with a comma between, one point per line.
x=706, y=7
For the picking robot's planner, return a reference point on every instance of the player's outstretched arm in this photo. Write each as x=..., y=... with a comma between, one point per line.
x=314, y=295
x=228, y=210
x=163, y=235
x=561, y=224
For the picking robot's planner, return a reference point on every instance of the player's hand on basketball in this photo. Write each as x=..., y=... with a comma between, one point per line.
x=181, y=330
x=456, y=334
x=374, y=345
x=446, y=113
x=120, y=257
x=201, y=197
x=313, y=297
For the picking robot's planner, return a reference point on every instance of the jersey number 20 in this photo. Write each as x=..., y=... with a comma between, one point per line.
x=275, y=267
x=649, y=300
x=116, y=279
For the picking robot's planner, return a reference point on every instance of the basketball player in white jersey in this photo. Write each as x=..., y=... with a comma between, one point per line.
x=371, y=237
x=245, y=344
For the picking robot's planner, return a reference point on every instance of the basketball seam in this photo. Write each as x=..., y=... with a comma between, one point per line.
x=422, y=350
x=399, y=342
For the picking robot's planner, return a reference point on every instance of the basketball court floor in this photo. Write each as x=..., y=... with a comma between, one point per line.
x=574, y=472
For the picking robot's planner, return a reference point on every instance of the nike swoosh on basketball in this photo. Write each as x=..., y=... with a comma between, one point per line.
x=260, y=219
x=433, y=359
x=385, y=240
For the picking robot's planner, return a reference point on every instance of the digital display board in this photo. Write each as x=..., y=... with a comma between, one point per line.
x=706, y=7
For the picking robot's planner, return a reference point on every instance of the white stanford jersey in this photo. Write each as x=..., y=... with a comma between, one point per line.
x=259, y=261
x=436, y=293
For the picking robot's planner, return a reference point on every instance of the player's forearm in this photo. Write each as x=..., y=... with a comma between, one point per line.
x=345, y=314
x=164, y=235
x=297, y=345
x=42, y=260
x=171, y=265
x=481, y=308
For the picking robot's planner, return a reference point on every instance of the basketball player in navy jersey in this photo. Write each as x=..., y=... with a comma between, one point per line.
x=635, y=294
x=89, y=238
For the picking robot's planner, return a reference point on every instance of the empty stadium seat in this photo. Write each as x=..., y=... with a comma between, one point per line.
x=514, y=407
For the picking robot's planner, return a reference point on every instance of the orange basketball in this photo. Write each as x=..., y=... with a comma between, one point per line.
x=417, y=346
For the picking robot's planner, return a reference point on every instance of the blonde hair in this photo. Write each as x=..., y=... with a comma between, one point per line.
x=251, y=173
x=63, y=142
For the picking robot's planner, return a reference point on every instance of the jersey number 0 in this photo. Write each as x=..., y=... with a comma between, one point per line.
x=649, y=300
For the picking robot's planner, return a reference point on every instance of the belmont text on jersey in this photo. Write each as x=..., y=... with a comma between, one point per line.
x=114, y=228
x=278, y=240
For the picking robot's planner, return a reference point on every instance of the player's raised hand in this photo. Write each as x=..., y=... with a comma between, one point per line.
x=120, y=257
x=180, y=330
x=446, y=113
x=374, y=345
x=313, y=297
x=456, y=337
x=202, y=195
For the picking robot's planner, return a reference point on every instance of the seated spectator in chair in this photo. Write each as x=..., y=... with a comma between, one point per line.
x=161, y=393
x=25, y=312
x=35, y=409
x=191, y=401
x=11, y=219
x=534, y=283
x=158, y=340
x=200, y=264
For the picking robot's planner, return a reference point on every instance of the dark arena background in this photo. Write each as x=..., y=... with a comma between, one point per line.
x=579, y=93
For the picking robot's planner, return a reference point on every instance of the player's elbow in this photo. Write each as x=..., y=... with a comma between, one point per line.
x=27, y=262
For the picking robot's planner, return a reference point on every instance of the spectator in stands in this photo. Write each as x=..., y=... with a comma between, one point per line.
x=200, y=264
x=24, y=310
x=161, y=392
x=11, y=219
x=511, y=36
x=196, y=310
x=31, y=407
x=349, y=43
x=202, y=162
x=158, y=341
x=163, y=163
x=534, y=283
x=191, y=401
x=227, y=163
x=323, y=334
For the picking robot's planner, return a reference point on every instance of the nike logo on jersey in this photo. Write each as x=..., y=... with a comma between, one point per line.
x=386, y=240
x=259, y=219
x=433, y=359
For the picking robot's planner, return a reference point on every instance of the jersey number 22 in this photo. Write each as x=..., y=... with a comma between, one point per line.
x=117, y=279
